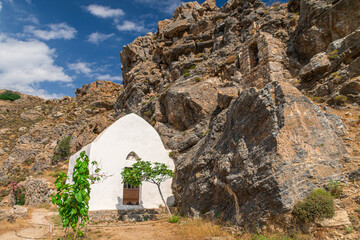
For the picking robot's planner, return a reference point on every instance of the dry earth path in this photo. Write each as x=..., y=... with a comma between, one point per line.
x=41, y=226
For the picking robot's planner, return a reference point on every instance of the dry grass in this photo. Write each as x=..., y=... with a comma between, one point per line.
x=276, y=236
x=200, y=229
x=56, y=219
x=6, y=226
x=48, y=206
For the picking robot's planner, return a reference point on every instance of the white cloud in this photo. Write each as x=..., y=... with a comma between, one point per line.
x=26, y=64
x=56, y=31
x=108, y=77
x=80, y=67
x=131, y=26
x=28, y=1
x=84, y=68
x=104, y=11
x=29, y=18
x=41, y=93
x=96, y=37
x=167, y=6
x=0, y=6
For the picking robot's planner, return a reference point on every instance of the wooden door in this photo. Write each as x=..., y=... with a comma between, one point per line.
x=131, y=195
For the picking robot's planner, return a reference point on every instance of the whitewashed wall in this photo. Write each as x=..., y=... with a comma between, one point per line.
x=110, y=149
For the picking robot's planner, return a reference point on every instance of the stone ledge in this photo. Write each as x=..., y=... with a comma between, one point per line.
x=126, y=215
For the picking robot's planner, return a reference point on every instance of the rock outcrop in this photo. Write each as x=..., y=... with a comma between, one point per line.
x=35, y=126
x=221, y=86
x=261, y=155
x=11, y=215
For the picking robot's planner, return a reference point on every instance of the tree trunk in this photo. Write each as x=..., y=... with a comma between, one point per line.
x=77, y=227
x=162, y=197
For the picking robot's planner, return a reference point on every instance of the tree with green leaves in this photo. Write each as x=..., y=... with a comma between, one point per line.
x=73, y=198
x=62, y=151
x=144, y=171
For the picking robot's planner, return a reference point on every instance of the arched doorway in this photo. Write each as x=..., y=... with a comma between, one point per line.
x=131, y=194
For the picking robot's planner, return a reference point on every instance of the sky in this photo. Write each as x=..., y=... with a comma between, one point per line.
x=48, y=48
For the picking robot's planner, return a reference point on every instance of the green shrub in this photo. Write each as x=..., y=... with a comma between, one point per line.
x=259, y=237
x=193, y=66
x=148, y=113
x=333, y=55
x=18, y=193
x=29, y=161
x=186, y=74
x=174, y=219
x=198, y=79
x=319, y=204
x=206, y=132
x=272, y=237
x=349, y=229
x=315, y=98
x=62, y=151
x=171, y=154
x=9, y=95
x=335, y=188
x=340, y=99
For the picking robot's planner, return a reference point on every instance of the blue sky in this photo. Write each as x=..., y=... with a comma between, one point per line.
x=49, y=48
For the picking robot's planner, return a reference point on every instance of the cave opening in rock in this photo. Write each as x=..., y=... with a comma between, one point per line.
x=254, y=55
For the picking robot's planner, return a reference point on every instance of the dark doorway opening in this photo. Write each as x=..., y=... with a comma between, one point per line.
x=130, y=194
x=254, y=55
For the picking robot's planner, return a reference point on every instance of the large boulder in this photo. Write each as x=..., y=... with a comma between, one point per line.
x=268, y=150
x=175, y=28
x=11, y=215
x=186, y=104
x=322, y=22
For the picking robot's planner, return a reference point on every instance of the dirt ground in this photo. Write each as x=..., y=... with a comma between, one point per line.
x=44, y=224
x=37, y=227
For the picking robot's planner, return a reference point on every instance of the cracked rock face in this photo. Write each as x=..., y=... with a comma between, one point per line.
x=262, y=154
x=221, y=86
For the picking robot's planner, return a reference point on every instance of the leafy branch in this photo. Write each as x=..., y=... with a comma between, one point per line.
x=143, y=171
x=73, y=199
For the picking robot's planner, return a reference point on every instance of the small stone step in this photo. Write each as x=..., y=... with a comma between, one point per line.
x=129, y=215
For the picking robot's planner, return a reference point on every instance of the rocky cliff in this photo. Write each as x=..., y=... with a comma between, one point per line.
x=259, y=105
x=235, y=93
